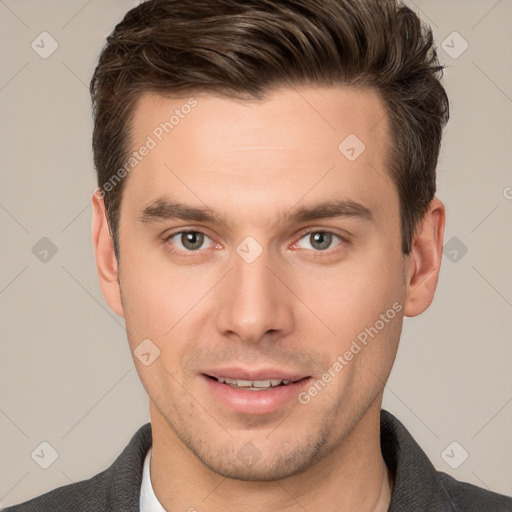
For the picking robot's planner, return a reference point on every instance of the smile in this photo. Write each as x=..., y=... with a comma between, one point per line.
x=254, y=385
x=254, y=394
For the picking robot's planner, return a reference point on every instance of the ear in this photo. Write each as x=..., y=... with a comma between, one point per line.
x=106, y=261
x=424, y=261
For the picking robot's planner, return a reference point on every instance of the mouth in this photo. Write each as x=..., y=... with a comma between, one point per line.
x=255, y=385
x=254, y=393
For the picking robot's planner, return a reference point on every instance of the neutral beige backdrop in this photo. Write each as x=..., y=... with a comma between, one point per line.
x=67, y=376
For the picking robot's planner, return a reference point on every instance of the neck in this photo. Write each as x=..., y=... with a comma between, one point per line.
x=354, y=476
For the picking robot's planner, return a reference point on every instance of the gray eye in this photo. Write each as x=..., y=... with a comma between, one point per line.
x=192, y=240
x=319, y=240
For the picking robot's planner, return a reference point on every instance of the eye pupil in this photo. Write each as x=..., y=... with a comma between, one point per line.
x=322, y=238
x=192, y=240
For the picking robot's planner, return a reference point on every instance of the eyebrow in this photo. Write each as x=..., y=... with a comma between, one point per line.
x=165, y=208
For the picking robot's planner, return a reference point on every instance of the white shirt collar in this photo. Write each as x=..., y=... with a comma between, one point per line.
x=148, y=500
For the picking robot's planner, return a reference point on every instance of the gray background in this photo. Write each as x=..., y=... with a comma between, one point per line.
x=67, y=376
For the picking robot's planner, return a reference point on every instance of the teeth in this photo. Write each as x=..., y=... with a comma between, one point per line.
x=253, y=385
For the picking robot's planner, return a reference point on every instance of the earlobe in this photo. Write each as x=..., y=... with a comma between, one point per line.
x=106, y=261
x=424, y=261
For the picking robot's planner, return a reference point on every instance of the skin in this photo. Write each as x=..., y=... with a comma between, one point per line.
x=295, y=307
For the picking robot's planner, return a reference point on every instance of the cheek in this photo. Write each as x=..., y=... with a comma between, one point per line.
x=350, y=297
x=156, y=293
x=161, y=303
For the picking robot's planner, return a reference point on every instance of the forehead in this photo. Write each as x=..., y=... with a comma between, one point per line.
x=307, y=140
x=302, y=112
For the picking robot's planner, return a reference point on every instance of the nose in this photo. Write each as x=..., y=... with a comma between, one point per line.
x=254, y=302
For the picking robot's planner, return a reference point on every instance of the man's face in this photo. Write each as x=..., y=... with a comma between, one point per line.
x=260, y=294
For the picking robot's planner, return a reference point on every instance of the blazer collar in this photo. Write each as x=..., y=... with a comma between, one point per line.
x=416, y=482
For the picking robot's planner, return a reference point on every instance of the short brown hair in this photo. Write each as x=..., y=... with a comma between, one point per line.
x=245, y=48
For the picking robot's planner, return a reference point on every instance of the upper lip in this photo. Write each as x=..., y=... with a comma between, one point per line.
x=252, y=375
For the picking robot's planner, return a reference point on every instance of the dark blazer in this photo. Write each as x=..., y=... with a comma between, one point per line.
x=418, y=487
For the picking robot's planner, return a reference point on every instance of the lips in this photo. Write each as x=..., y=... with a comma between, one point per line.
x=254, y=392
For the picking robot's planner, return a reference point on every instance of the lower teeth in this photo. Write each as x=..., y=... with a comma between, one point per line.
x=234, y=386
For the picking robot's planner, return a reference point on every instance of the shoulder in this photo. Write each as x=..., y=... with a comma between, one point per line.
x=115, y=488
x=467, y=497
x=418, y=485
x=68, y=497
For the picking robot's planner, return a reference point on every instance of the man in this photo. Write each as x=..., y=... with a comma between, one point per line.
x=265, y=218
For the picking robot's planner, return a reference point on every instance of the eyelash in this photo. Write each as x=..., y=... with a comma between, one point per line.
x=167, y=238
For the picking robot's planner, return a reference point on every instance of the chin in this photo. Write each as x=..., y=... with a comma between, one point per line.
x=248, y=463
